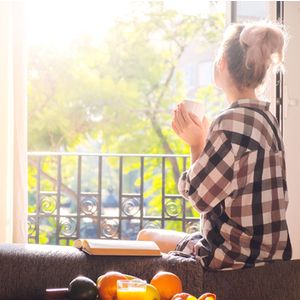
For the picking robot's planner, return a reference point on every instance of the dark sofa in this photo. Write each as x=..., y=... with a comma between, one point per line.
x=27, y=270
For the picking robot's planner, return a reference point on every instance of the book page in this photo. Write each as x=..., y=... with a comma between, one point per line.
x=118, y=247
x=122, y=244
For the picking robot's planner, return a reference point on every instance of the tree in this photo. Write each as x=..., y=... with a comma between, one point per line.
x=119, y=91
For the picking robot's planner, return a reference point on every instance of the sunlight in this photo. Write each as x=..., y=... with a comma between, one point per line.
x=60, y=21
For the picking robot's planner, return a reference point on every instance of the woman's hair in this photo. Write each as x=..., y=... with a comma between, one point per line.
x=250, y=50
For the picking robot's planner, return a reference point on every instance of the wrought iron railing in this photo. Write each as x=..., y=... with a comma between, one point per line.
x=74, y=195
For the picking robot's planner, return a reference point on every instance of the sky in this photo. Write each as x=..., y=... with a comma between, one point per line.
x=58, y=21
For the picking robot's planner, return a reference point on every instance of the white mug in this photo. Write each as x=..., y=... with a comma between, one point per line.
x=194, y=107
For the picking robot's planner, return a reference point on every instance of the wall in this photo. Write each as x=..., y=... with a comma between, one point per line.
x=292, y=121
x=13, y=123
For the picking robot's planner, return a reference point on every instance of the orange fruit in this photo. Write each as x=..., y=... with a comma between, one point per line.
x=168, y=284
x=107, y=285
x=208, y=296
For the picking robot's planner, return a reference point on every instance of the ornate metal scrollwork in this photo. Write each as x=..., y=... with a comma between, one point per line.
x=48, y=204
x=152, y=225
x=130, y=207
x=31, y=222
x=88, y=205
x=109, y=228
x=67, y=226
x=173, y=208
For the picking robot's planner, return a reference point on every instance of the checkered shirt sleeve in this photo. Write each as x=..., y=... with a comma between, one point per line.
x=208, y=181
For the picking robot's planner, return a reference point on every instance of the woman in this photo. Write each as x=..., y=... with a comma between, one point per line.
x=237, y=179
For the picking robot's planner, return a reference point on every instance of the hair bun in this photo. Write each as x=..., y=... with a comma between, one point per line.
x=264, y=44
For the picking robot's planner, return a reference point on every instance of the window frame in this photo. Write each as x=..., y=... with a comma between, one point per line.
x=279, y=16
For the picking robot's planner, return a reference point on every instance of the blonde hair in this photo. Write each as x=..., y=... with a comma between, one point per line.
x=251, y=49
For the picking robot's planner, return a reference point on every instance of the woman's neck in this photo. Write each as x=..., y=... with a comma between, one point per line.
x=234, y=94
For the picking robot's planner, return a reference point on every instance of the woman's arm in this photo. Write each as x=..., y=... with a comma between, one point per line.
x=208, y=181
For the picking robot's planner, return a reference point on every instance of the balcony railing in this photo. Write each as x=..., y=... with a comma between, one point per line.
x=73, y=195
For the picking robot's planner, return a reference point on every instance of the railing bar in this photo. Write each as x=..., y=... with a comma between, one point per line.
x=163, y=173
x=158, y=219
x=98, y=217
x=46, y=193
x=32, y=153
x=38, y=203
x=122, y=218
x=127, y=195
x=95, y=194
x=79, y=166
x=120, y=194
x=130, y=195
x=172, y=196
x=142, y=194
x=58, y=197
x=99, y=211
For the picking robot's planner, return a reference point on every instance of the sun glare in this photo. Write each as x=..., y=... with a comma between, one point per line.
x=60, y=21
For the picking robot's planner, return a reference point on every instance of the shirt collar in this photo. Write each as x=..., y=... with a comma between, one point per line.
x=251, y=103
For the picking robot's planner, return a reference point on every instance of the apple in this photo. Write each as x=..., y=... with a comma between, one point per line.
x=82, y=288
x=151, y=292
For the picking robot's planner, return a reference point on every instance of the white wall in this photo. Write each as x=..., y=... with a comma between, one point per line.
x=292, y=120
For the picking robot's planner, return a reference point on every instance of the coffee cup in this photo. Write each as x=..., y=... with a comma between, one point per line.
x=194, y=107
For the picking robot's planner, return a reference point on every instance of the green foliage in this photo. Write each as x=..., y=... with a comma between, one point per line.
x=118, y=93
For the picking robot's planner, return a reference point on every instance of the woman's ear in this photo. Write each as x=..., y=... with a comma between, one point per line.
x=222, y=63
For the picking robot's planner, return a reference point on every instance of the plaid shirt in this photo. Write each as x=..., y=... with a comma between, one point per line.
x=238, y=184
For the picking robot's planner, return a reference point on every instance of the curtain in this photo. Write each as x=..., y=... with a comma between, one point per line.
x=13, y=123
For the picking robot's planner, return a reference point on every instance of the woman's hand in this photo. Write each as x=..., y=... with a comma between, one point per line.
x=190, y=128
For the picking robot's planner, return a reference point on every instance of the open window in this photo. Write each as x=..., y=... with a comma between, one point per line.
x=104, y=79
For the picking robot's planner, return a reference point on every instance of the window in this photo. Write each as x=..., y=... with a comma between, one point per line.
x=244, y=11
x=103, y=161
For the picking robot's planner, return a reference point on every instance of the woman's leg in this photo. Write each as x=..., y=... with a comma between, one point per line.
x=166, y=240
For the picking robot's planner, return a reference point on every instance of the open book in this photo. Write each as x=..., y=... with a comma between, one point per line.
x=118, y=247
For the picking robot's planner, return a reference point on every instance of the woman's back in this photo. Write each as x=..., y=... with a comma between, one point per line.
x=247, y=226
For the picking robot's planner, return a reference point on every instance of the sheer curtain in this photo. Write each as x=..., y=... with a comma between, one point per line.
x=13, y=123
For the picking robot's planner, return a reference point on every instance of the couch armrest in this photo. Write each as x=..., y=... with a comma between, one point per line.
x=277, y=281
x=27, y=270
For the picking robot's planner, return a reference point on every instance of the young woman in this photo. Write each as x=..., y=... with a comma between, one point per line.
x=237, y=177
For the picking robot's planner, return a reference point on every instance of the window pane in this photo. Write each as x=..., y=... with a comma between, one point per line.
x=105, y=79
x=252, y=10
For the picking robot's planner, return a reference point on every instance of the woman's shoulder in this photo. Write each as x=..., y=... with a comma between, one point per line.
x=241, y=123
x=231, y=119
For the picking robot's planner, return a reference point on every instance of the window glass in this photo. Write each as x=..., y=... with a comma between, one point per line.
x=93, y=66
x=251, y=10
x=103, y=79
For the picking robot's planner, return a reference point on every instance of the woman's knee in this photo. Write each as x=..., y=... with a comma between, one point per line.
x=142, y=235
x=161, y=234
x=146, y=235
